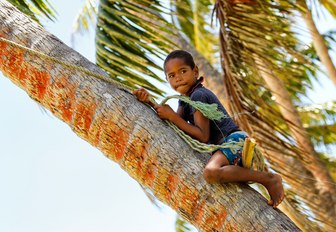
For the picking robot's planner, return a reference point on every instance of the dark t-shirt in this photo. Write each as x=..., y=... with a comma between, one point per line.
x=218, y=129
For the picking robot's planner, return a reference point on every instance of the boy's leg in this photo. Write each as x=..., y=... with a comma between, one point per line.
x=218, y=170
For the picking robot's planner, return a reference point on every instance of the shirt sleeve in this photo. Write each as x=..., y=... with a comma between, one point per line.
x=181, y=103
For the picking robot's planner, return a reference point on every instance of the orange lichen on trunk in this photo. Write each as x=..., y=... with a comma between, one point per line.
x=199, y=213
x=3, y=47
x=37, y=83
x=84, y=110
x=137, y=160
x=187, y=200
x=216, y=218
x=150, y=170
x=232, y=227
x=23, y=72
x=171, y=186
x=113, y=138
x=134, y=157
x=95, y=129
x=12, y=63
x=160, y=183
x=62, y=97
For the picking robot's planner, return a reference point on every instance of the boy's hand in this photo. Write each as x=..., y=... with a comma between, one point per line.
x=165, y=112
x=142, y=95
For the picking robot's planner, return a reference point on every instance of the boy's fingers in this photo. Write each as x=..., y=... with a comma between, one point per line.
x=141, y=90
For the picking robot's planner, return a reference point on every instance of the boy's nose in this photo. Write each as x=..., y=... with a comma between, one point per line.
x=178, y=77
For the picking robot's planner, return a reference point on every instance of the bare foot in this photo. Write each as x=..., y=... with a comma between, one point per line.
x=275, y=190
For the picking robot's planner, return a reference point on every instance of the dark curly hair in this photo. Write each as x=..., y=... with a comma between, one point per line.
x=181, y=54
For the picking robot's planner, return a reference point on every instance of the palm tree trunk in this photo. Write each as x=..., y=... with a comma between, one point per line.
x=128, y=132
x=319, y=44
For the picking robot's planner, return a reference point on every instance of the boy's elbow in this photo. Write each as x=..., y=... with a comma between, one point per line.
x=202, y=135
x=204, y=139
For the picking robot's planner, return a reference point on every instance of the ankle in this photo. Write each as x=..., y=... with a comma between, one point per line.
x=270, y=179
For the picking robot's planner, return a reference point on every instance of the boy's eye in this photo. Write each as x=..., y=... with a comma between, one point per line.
x=170, y=76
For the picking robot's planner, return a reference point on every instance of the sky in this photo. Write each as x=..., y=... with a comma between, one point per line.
x=51, y=180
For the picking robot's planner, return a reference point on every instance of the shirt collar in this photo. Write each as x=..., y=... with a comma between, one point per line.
x=197, y=84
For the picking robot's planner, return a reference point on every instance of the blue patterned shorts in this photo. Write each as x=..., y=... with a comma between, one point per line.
x=234, y=155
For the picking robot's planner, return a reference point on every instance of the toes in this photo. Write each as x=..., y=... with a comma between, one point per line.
x=275, y=205
x=280, y=200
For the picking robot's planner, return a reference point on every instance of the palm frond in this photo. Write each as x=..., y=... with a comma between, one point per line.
x=323, y=134
x=330, y=164
x=258, y=40
x=318, y=113
x=35, y=8
x=86, y=17
x=193, y=19
x=131, y=38
x=320, y=122
x=330, y=6
x=182, y=225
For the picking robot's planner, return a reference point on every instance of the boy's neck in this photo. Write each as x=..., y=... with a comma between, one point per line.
x=198, y=82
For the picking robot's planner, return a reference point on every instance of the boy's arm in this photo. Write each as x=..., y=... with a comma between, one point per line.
x=199, y=131
x=180, y=111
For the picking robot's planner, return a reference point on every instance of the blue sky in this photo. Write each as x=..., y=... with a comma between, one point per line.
x=51, y=180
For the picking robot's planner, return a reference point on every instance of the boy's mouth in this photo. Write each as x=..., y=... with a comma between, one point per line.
x=181, y=85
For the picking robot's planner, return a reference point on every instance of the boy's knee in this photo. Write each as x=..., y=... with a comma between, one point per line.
x=210, y=175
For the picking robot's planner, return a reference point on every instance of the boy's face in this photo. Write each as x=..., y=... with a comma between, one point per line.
x=181, y=76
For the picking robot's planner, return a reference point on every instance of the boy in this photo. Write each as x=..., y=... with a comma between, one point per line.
x=225, y=164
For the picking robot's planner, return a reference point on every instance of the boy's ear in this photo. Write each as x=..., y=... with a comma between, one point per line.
x=196, y=71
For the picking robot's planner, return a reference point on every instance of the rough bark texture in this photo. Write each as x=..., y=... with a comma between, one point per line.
x=128, y=132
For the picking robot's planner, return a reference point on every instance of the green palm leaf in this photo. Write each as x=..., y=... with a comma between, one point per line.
x=317, y=113
x=181, y=225
x=34, y=8
x=320, y=121
x=193, y=19
x=323, y=134
x=129, y=39
x=86, y=17
x=330, y=5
